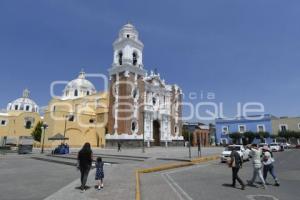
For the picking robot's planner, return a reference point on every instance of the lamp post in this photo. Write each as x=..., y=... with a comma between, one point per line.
x=190, y=156
x=143, y=132
x=199, y=145
x=66, y=117
x=44, y=127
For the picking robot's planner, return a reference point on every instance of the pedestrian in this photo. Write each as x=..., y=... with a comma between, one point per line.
x=257, y=165
x=99, y=173
x=236, y=163
x=85, y=156
x=268, y=165
x=119, y=146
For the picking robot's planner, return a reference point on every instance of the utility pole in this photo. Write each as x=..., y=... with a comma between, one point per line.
x=44, y=126
x=66, y=116
x=143, y=150
x=190, y=155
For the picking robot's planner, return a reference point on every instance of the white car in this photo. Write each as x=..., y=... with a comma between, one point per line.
x=262, y=145
x=286, y=145
x=275, y=147
x=239, y=148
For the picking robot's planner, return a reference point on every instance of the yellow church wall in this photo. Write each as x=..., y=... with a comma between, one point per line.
x=15, y=125
x=89, y=125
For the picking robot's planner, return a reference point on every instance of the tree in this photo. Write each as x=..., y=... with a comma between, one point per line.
x=235, y=137
x=37, y=132
x=263, y=135
x=185, y=134
x=249, y=135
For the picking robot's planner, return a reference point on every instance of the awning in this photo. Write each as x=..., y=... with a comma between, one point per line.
x=58, y=136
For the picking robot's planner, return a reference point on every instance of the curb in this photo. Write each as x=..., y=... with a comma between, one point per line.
x=138, y=172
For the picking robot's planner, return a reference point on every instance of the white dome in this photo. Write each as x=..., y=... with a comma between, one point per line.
x=79, y=87
x=23, y=104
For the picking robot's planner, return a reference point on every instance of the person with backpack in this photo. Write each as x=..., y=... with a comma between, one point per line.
x=236, y=163
x=268, y=166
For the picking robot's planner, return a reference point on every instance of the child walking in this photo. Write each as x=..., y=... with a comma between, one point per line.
x=99, y=173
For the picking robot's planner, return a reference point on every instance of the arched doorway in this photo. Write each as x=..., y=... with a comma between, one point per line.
x=156, y=133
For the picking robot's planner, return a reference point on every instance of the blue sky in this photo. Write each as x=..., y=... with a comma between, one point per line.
x=240, y=50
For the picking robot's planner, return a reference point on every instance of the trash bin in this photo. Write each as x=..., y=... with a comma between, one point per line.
x=25, y=144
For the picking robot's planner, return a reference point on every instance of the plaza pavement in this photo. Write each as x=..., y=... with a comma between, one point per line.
x=27, y=178
x=210, y=181
x=120, y=178
x=22, y=178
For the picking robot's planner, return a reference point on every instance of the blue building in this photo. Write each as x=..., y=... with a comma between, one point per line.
x=241, y=125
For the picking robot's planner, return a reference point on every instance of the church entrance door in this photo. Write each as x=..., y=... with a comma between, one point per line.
x=156, y=133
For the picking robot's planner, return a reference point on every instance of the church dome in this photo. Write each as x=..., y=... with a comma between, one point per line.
x=23, y=104
x=79, y=87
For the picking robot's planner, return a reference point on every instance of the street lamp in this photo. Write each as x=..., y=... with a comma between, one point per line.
x=44, y=127
x=66, y=117
x=190, y=156
x=143, y=132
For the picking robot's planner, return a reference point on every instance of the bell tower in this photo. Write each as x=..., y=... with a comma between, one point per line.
x=128, y=49
x=126, y=87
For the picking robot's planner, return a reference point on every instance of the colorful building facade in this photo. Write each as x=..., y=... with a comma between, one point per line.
x=241, y=125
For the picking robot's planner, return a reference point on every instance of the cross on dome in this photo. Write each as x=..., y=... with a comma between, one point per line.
x=26, y=93
x=81, y=74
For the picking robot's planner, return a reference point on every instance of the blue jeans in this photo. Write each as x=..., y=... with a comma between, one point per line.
x=269, y=168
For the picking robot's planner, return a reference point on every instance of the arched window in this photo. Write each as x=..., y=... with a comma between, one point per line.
x=76, y=93
x=120, y=55
x=134, y=126
x=88, y=93
x=154, y=101
x=135, y=93
x=27, y=108
x=16, y=107
x=134, y=58
x=28, y=124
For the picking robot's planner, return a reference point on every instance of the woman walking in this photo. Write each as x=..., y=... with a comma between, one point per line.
x=85, y=157
x=268, y=162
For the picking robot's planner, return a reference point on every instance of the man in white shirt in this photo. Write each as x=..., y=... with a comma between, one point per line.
x=257, y=165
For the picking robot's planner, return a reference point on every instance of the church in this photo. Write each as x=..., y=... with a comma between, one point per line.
x=138, y=106
x=142, y=106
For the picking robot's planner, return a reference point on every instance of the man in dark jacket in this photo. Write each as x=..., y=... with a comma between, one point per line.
x=236, y=163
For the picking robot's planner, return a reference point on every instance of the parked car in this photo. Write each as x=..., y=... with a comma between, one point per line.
x=286, y=145
x=239, y=148
x=275, y=147
x=261, y=145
